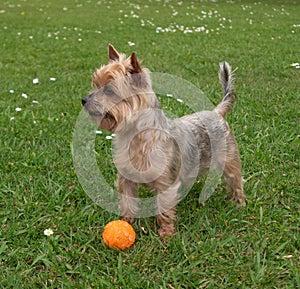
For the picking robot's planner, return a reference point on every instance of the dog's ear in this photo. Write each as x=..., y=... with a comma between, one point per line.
x=136, y=68
x=113, y=54
x=139, y=75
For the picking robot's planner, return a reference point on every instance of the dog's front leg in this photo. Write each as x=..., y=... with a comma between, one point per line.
x=128, y=192
x=166, y=205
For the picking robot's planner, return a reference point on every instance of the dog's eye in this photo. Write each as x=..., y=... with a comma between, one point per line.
x=107, y=90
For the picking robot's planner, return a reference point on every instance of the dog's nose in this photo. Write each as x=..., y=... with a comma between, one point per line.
x=84, y=101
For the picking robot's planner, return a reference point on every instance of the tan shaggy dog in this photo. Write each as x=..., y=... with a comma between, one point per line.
x=152, y=150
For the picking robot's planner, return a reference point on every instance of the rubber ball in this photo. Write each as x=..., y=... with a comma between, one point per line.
x=118, y=235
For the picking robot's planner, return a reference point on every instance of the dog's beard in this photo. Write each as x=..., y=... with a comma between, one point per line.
x=108, y=122
x=104, y=120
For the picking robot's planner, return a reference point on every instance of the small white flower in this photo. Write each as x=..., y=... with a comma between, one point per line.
x=48, y=232
x=35, y=101
x=11, y=91
x=108, y=137
x=131, y=43
x=179, y=100
x=18, y=108
x=52, y=78
x=295, y=64
x=12, y=118
x=170, y=94
x=98, y=132
x=79, y=39
x=35, y=81
x=24, y=95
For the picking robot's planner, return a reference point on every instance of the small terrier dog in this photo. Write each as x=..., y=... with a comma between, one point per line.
x=157, y=152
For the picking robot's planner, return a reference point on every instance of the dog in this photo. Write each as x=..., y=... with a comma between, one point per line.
x=155, y=151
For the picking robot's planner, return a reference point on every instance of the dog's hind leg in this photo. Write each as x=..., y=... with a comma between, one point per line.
x=234, y=180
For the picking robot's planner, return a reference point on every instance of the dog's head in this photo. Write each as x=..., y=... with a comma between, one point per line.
x=122, y=88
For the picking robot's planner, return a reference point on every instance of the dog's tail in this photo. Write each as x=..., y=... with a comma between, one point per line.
x=226, y=79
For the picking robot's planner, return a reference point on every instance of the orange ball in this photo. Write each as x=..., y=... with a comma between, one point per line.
x=118, y=235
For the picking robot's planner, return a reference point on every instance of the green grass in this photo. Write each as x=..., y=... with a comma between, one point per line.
x=216, y=246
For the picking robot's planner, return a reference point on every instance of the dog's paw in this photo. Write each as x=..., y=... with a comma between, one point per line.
x=129, y=220
x=166, y=231
x=238, y=198
x=240, y=201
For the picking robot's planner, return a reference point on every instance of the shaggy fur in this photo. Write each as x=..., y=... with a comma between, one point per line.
x=153, y=150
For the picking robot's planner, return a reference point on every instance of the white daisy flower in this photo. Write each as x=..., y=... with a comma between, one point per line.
x=18, y=108
x=11, y=91
x=108, y=137
x=35, y=81
x=98, y=132
x=48, y=232
x=295, y=64
x=52, y=78
x=24, y=95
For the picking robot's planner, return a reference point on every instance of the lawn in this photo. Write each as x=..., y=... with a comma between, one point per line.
x=49, y=50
